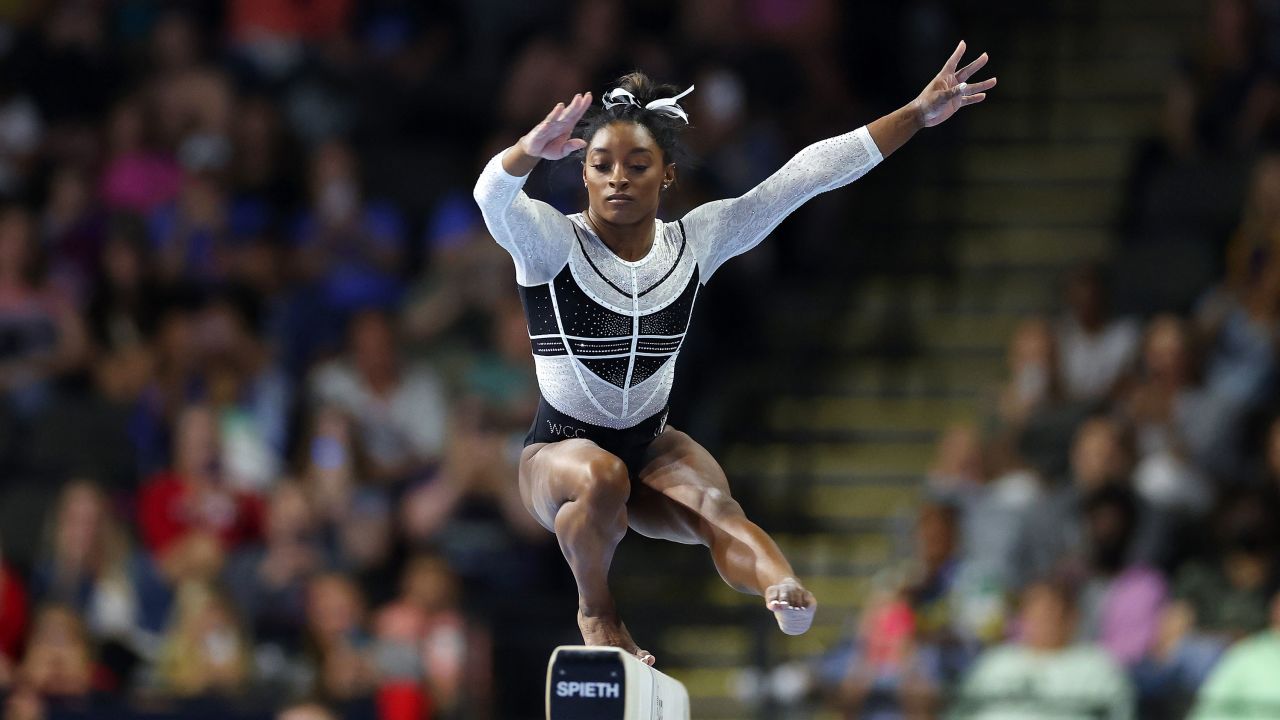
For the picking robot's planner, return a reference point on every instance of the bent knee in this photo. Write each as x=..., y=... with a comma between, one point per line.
x=604, y=479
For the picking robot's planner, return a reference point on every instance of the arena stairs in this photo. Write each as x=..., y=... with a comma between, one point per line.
x=1037, y=187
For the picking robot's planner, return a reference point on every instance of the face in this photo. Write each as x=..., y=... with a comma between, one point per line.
x=1032, y=346
x=935, y=535
x=80, y=521
x=1097, y=455
x=429, y=584
x=15, y=240
x=197, y=442
x=1166, y=351
x=1273, y=452
x=1047, y=621
x=373, y=345
x=289, y=516
x=1085, y=295
x=625, y=173
x=960, y=453
x=333, y=607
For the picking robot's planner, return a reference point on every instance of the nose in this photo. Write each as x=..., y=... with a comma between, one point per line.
x=619, y=177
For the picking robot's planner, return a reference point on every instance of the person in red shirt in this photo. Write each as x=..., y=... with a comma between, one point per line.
x=13, y=619
x=190, y=499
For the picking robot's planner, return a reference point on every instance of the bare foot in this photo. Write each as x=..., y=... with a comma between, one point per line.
x=792, y=605
x=609, y=630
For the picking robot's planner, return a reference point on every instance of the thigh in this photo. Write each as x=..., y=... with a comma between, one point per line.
x=552, y=474
x=680, y=485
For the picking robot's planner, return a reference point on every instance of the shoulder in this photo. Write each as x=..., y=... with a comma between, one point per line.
x=1000, y=661
x=1092, y=662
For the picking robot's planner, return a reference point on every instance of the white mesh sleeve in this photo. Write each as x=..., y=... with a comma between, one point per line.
x=722, y=229
x=537, y=235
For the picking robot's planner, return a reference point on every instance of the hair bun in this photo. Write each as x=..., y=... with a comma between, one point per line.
x=644, y=88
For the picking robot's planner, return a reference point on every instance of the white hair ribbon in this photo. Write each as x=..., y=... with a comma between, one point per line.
x=666, y=106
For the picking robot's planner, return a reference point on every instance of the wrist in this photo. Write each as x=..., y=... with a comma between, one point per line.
x=518, y=161
x=914, y=114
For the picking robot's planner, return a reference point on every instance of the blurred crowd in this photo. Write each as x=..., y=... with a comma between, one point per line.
x=264, y=376
x=1106, y=542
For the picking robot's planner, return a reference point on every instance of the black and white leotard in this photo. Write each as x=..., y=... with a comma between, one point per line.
x=605, y=332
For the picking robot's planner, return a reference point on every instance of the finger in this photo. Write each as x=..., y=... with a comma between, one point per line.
x=583, y=105
x=564, y=112
x=981, y=87
x=973, y=99
x=954, y=60
x=968, y=70
x=555, y=111
x=573, y=145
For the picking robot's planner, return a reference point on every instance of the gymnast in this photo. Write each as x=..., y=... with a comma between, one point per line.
x=608, y=294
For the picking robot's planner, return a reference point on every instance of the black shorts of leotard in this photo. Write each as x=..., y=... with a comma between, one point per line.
x=628, y=444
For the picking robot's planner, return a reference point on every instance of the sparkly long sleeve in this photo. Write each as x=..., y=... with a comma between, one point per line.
x=722, y=229
x=537, y=235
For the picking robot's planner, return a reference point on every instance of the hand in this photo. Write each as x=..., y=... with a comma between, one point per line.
x=950, y=90
x=550, y=139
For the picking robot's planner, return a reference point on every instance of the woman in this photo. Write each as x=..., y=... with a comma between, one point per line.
x=608, y=294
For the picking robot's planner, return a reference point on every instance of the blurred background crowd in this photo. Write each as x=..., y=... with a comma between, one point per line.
x=264, y=375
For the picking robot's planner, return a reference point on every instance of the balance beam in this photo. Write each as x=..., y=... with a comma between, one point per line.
x=605, y=683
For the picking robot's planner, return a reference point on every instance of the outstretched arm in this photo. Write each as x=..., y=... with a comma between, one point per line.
x=536, y=234
x=722, y=229
x=941, y=98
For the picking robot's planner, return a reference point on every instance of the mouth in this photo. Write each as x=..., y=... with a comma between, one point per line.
x=618, y=199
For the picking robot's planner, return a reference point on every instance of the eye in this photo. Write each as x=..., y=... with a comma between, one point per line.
x=639, y=168
x=601, y=167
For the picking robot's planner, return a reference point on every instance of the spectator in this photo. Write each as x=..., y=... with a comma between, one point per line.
x=332, y=463
x=1053, y=533
x=190, y=234
x=1121, y=600
x=349, y=246
x=1172, y=412
x=176, y=380
x=306, y=711
x=269, y=582
x=251, y=396
x=13, y=619
x=90, y=566
x=122, y=312
x=1096, y=353
x=204, y=651
x=192, y=498
x=1243, y=685
x=1042, y=674
x=992, y=509
x=399, y=411
x=345, y=671
x=41, y=336
x=428, y=623
x=1177, y=664
x=920, y=632
x=490, y=420
x=1220, y=98
x=71, y=232
x=1033, y=383
x=59, y=661
x=467, y=276
x=1228, y=587
x=958, y=463
x=139, y=177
